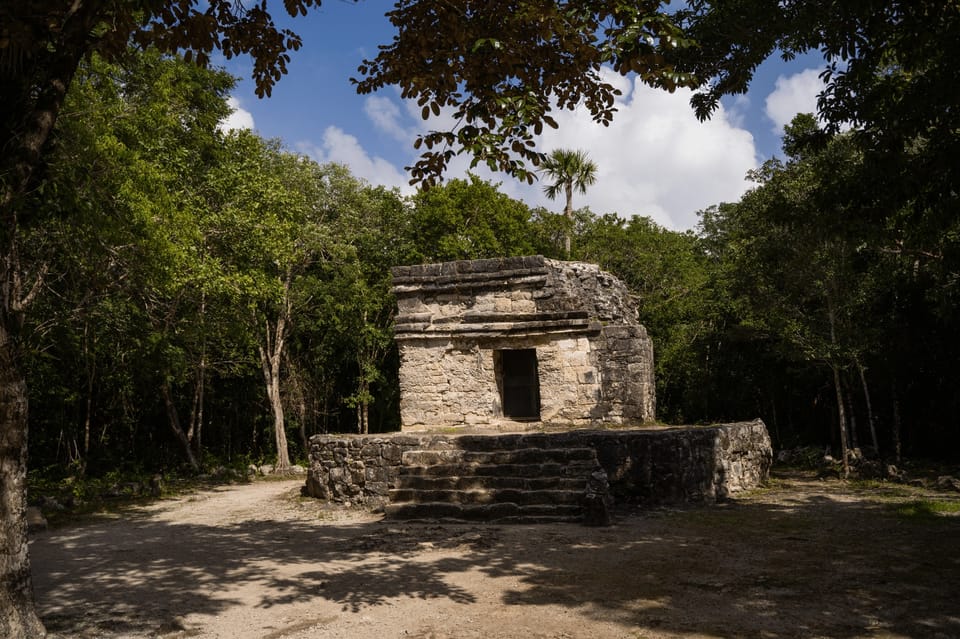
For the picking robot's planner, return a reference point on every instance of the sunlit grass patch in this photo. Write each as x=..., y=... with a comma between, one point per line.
x=927, y=508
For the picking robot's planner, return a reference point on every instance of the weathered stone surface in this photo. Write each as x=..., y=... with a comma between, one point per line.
x=597, y=500
x=947, y=482
x=662, y=466
x=594, y=360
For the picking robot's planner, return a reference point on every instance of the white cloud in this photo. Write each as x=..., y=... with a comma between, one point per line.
x=655, y=159
x=737, y=110
x=387, y=117
x=239, y=118
x=792, y=95
x=343, y=148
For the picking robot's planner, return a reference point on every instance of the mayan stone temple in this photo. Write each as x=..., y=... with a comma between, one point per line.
x=511, y=343
x=527, y=395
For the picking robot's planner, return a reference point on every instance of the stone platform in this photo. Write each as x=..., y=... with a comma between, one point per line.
x=536, y=476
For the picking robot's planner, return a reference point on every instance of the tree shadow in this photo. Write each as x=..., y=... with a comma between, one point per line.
x=809, y=565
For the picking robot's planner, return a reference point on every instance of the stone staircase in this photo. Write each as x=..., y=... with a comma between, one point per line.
x=482, y=481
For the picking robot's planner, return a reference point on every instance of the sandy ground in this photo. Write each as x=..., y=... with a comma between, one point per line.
x=801, y=559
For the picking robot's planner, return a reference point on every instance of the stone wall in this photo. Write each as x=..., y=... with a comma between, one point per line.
x=662, y=466
x=594, y=359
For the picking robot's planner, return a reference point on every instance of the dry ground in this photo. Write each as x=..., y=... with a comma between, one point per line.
x=804, y=558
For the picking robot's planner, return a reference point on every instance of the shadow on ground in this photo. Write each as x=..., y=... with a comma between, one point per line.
x=788, y=563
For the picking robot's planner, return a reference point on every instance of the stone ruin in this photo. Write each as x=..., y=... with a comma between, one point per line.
x=703, y=464
x=513, y=344
x=525, y=384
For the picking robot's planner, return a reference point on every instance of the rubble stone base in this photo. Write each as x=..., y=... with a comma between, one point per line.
x=648, y=466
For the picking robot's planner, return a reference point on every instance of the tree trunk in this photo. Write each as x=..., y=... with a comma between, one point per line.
x=91, y=370
x=271, y=354
x=18, y=616
x=896, y=423
x=302, y=415
x=295, y=387
x=202, y=383
x=568, y=215
x=173, y=417
x=196, y=412
x=32, y=98
x=852, y=419
x=202, y=377
x=871, y=421
x=363, y=416
x=841, y=413
x=279, y=425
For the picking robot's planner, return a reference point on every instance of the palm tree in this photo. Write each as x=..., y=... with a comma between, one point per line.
x=568, y=170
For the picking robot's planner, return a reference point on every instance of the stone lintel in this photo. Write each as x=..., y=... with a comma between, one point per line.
x=497, y=329
x=524, y=317
x=484, y=281
x=479, y=318
x=489, y=321
x=469, y=269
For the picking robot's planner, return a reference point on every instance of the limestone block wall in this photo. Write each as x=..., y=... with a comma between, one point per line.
x=626, y=365
x=594, y=360
x=454, y=383
x=664, y=466
x=356, y=469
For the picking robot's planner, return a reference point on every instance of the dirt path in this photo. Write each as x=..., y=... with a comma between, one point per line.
x=804, y=559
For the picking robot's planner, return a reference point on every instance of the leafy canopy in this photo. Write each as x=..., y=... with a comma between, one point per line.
x=497, y=69
x=35, y=33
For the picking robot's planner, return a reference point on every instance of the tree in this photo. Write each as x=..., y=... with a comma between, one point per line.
x=377, y=225
x=501, y=67
x=882, y=59
x=129, y=231
x=889, y=76
x=41, y=47
x=466, y=220
x=890, y=69
x=674, y=282
x=802, y=261
x=568, y=170
x=271, y=234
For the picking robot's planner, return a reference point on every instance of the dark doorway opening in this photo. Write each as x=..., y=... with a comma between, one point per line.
x=519, y=383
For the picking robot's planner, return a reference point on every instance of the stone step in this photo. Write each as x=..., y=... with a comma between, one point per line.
x=579, y=468
x=491, y=496
x=505, y=512
x=477, y=482
x=481, y=443
x=516, y=483
x=497, y=457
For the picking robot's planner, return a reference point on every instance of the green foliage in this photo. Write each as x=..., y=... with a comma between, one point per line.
x=890, y=76
x=170, y=245
x=927, y=509
x=473, y=60
x=468, y=219
x=674, y=282
x=42, y=32
x=827, y=276
x=569, y=171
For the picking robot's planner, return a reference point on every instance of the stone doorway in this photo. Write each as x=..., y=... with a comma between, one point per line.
x=519, y=383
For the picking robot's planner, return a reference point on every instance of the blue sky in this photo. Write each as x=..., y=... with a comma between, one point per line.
x=656, y=159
